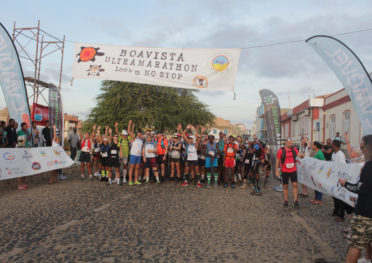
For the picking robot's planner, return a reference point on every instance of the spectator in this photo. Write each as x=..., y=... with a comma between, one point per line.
x=26, y=133
x=3, y=139
x=361, y=225
x=327, y=150
x=46, y=135
x=35, y=135
x=11, y=133
x=338, y=137
x=320, y=156
x=22, y=140
x=73, y=140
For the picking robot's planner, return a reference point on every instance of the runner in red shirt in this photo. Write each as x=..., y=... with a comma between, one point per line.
x=286, y=159
x=229, y=161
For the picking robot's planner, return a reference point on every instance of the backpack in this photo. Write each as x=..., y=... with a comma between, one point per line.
x=262, y=151
x=284, y=153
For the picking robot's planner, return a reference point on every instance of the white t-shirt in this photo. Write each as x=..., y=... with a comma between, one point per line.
x=192, y=154
x=149, y=147
x=338, y=157
x=54, y=143
x=136, y=147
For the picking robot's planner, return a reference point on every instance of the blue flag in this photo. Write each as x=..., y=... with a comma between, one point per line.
x=11, y=80
x=351, y=72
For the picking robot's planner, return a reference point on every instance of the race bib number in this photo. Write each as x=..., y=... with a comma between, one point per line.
x=247, y=161
x=290, y=165
x=96, y=150
x=114, y=152
x=104, y=154
x=230, y=150
x=211, y=153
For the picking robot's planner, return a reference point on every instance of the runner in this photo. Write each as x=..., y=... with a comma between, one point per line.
x=135, y=154
x=257, y=161
x=239, y=169
x=113, y=160
x=104, y=152
x=96, y=153
x=248, y=160
x=192, y=155
x=286, y=159
x=221, y=147
x=201, y=159
x=229, y=161
x=211, y=161
x=175, y=154
x=124, y=151
x=162, y=150
x=267, y=164
x=149, y=152
x=86, y=147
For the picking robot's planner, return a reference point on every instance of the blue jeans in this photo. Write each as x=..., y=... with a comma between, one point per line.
x=318, y=195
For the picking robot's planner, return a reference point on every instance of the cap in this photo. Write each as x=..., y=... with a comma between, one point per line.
x=175, y=135
x=124, y=132
x=105, y=139
x=153, y=133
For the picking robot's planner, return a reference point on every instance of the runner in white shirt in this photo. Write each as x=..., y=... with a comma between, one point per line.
x=135, y=154
x=149, y=152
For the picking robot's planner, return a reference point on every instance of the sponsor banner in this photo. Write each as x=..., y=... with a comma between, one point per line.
x=273, y=123
x=323, y=176
x=11, y=80
x=208, y=69
x=351, y=72
x=55, y=111
x=40, y=114
x=19, y=162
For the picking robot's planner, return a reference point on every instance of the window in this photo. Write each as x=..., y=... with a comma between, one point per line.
x=332, y=126
x=293, y=133
x=346, y=122
x=286, y=130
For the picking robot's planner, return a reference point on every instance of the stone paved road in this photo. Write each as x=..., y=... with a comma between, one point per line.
x=87, y=221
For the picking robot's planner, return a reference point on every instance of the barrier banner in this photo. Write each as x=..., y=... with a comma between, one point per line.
x=209, y=69
x=40, y=114
x=273, y=123
x=323, y=176
x=11, y=80
x=351, y=72
x=19, y=162
x=55, y=112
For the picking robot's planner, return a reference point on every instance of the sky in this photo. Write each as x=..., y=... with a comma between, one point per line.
x=293, y=71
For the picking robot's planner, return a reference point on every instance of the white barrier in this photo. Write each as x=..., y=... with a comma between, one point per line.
x=19, y=162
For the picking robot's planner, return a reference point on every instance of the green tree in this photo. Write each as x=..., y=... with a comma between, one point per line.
x=148, y=106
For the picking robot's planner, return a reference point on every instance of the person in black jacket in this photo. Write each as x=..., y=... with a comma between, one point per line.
x=46, y=134
x=11, y=133
x=361, y=224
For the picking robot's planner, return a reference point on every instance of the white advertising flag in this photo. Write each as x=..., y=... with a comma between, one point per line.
x=208, y=69
x=19, y=162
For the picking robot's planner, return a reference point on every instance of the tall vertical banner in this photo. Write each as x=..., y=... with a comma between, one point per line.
x=351, y=72
x=55, y=111
x=12, y=81
x=273, y=123
x=207, y=69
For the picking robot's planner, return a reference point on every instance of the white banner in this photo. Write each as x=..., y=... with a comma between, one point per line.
x=19, y=162
x=323, y=176
x=209, y=69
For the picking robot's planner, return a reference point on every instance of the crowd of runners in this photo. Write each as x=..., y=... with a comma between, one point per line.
x=190, y=156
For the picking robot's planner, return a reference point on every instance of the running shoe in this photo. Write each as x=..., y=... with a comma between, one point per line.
x=131, y=183
x=147, y=182
x=91, y=177
x=137, y=183
x=233, y=186
x=82, y=177
x=296, y=204
x=158, y=182
x=200, y=185
x=215, y=185
x=244, y=186
x=258, y=192
x=208, y=185
x=226, y=185
x=185, y=184
x=285, y=205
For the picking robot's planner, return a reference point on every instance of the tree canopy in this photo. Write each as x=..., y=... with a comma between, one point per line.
x=148, y=106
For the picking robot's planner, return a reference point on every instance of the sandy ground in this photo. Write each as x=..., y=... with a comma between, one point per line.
x=88, y=221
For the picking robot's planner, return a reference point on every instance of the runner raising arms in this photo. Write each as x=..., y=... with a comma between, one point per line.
x=135, y=154
x=124, y=150
x=95, y=153
x=104, y=152
x=86, y=147
x=162, y=150
x=192, y=155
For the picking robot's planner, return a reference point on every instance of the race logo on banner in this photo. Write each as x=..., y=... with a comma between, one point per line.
x=40, y=114
x=209, y=69
x=19, y=162
x=323, y=176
